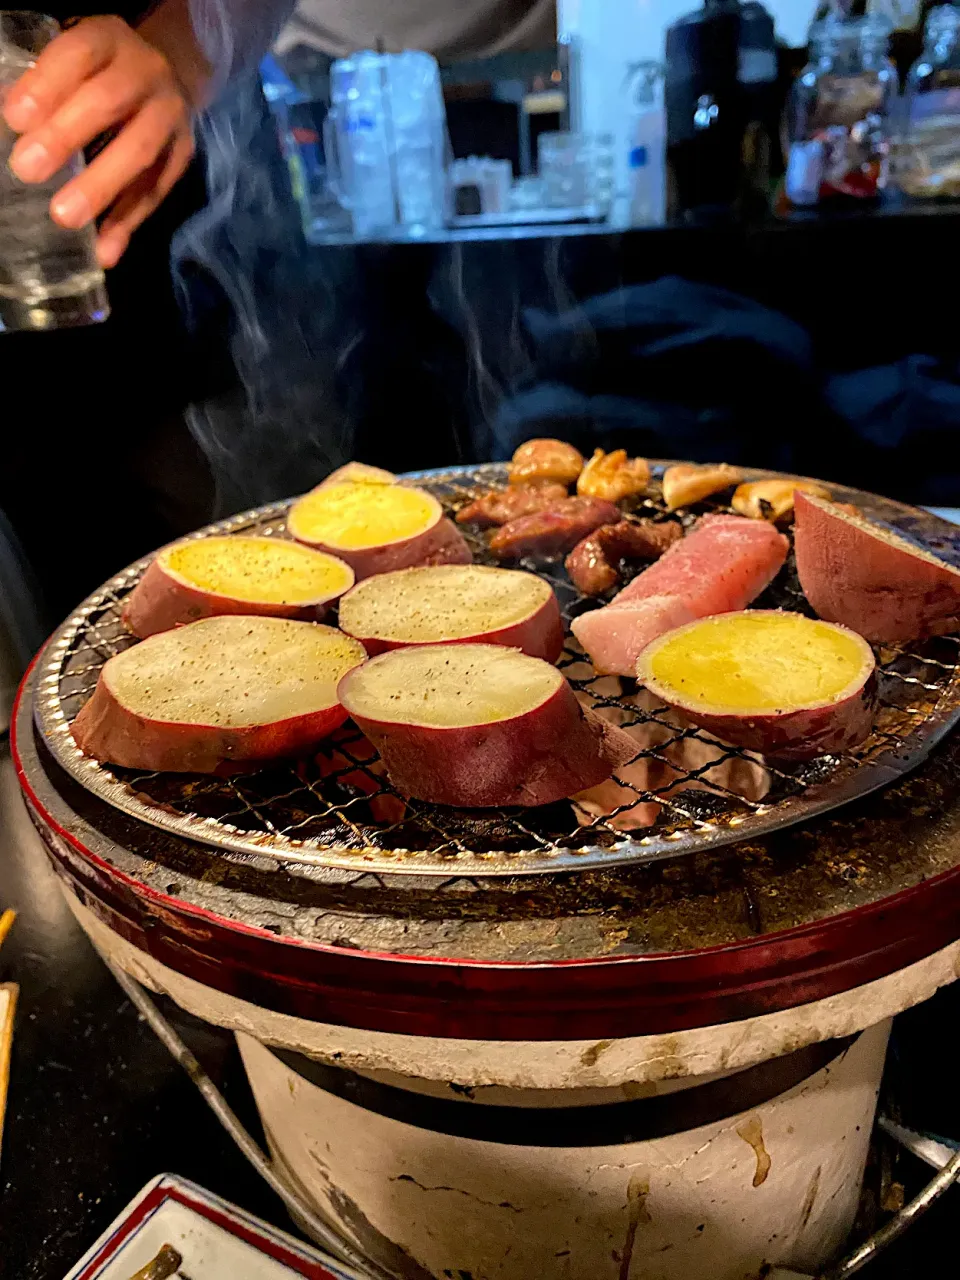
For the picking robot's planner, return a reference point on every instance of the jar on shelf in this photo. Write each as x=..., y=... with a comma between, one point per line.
x=928, y=147
x=839, y=117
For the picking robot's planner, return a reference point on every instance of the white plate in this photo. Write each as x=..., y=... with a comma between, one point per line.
x=216, y=1240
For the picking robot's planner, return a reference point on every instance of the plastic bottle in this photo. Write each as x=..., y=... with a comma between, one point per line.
x=648, y=145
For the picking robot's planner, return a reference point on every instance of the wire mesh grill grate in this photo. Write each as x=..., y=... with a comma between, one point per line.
x=684, y=792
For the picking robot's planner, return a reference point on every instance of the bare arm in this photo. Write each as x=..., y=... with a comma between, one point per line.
x=169, y=28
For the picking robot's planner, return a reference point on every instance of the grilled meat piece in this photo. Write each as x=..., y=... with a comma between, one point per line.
x=589, y=567
x=721, y=567
x=499, y=506
x=613, y=476
x=593, y=563
x=546, y=462
x=555, y=531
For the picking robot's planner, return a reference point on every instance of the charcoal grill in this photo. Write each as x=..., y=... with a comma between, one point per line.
x=380, y=975
x=295, y=814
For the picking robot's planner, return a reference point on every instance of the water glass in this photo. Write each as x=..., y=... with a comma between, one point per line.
x=577, y=170
x=356, y=137
x=564, y=161
x=49, y=276
x=419, y=119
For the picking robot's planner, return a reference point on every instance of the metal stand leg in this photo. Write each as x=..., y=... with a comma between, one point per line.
x=348, y=1258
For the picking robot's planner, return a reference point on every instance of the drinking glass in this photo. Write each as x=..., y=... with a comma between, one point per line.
x=564, y=163
x=49, y=276
x=577, y=170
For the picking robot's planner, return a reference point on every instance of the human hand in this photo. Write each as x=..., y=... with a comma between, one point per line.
x=97, y=76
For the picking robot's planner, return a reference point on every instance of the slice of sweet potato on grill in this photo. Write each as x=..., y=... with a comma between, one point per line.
x=218, y=694
x=787, y=686
x=480, y=726
x=207, y=577
x=870, y=579
x=446, y=604
x=377, y=528
x=360, y=473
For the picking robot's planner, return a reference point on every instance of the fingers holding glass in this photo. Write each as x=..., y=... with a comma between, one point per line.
x=96, y=79
x=160, y=122
x=70, y=60
x=140, y=199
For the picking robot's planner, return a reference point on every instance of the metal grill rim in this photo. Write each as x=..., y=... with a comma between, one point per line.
x=931, y=671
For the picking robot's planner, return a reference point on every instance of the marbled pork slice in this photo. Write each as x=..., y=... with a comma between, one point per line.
x=722, y=566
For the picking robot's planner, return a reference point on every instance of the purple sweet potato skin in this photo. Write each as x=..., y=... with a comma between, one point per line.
x=802, y=735
x=877, y=588
x=109, y=731
x=545, y=755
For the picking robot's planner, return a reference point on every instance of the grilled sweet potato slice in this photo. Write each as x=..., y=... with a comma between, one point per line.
x=778, y=683
x=480, y=726
x=217, y=694
x=455, y=604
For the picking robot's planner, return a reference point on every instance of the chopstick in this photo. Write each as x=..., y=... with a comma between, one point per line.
x=10, y=991
x=6, y=924
x=8, y=1003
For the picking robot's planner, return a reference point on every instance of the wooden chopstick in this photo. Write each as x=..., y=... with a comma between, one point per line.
x=10, y=990
x=8, y=1002
x=6, y=924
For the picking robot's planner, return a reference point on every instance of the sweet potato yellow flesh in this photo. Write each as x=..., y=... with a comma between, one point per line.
x=757, y=662
x=445, y=602
x=264, y=570
x=460, y=686
x=233, y=672
x=356, y=515
x=360, y=473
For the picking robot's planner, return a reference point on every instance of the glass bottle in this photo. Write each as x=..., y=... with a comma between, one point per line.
x=928, y=151
x=839, y=116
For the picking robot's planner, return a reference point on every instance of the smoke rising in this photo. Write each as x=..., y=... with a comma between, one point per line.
x=260, y=309
x=311, y=355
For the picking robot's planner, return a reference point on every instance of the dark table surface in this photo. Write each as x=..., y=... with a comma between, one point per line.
x=97, y=1108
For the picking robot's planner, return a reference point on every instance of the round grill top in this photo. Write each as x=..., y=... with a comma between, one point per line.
x=325, y=812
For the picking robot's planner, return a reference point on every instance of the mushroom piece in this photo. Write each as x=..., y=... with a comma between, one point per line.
x=687, y=483
x=773, y=499
x=546, y=462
